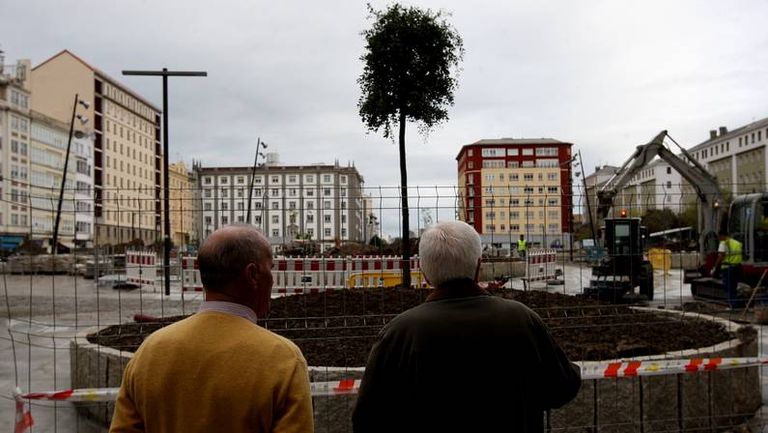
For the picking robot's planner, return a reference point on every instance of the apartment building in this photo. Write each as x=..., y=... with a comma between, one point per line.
x=127, y=161
x=657, y=186
x=47, y=155
x=14, y=141
x=509, y=187
x=319, y=202
x=737, y=158
x=183, y=203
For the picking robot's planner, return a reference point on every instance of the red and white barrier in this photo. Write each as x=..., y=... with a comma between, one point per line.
x=590, y=370
x=540, y=265
x=313, y=274
x=141, y=268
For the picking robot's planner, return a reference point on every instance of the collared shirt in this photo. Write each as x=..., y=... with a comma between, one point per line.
x=228, y=308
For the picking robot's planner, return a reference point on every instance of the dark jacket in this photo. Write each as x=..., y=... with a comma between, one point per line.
x=465, y=362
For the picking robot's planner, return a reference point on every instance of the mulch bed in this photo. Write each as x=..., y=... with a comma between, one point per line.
x=338, y=328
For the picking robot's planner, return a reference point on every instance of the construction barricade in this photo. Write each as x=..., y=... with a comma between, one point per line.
x=141, y=268
x=540, y=265
x=293, y=275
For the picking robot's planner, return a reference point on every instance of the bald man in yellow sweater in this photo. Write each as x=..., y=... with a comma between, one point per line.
x=218, y=371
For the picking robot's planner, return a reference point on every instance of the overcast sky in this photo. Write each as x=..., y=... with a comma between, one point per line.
x=603, y=75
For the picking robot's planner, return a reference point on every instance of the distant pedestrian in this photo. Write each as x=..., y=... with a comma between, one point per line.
x=522, y=247
x=218, y=371
x=463, y=361
x=729, y=258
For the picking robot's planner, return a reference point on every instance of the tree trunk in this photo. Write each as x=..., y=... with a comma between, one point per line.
x=406, y=239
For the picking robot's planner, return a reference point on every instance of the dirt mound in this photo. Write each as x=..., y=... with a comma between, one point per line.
x=338, y=328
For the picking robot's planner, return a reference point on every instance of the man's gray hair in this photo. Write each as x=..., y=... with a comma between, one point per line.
x=449, y=250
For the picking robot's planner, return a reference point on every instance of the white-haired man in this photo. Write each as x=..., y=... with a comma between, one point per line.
x=463, y=360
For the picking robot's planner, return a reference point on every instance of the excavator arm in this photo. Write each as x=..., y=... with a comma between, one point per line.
x=705, y=185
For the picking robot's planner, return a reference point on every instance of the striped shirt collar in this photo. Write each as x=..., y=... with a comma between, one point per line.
x=228, y=308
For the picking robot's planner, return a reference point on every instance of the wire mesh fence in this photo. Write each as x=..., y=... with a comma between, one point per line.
x=657, y=359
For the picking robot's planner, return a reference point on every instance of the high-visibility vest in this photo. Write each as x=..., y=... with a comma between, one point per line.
x=733, y=252
x=521, y=245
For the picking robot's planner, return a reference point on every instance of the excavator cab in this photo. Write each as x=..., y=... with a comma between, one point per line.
x=624, y=267
x=747, y=223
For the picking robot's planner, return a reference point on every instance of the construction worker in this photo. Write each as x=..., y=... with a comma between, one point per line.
x=522, y=246
x=729, y=259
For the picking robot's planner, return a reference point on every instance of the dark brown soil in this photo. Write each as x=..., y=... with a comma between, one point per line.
x=338, y=328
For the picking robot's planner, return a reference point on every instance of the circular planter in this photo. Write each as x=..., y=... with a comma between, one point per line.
x=711, y=400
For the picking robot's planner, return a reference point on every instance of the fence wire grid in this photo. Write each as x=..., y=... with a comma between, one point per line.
x=73, y=319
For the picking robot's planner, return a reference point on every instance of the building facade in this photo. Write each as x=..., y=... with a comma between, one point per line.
x=15, y=125
x=737, y=158
x=184, y=205
x=48, y=153
x=127, y=161
x=657, y=186
x=510, y=187
x=323, y=203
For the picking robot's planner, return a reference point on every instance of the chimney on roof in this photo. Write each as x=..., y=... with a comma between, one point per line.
x=723, y=130
x=712, y=133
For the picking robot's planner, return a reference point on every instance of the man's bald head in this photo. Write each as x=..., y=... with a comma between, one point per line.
x=227, y=252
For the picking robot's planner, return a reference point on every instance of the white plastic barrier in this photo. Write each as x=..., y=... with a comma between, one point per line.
x=317, y=274
x=540, y=265
x=141, y=268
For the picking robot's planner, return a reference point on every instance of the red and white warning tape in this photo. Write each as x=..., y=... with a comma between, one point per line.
x=589, y=371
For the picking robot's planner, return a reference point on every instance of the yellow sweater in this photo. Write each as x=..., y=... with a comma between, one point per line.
x=214, y=372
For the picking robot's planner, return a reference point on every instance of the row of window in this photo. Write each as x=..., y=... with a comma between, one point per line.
x=515, y=177
x=496, y=152
x=516, y=190
x=500, y=163
x=513, y=215
x=745, y=140
x=531, y=228
x=308, y=205
x=513, y=202
x=274, y=179
x=273, y=192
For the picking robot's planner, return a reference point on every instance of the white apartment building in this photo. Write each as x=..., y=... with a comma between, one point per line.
x=49, y=139
x=657, y=186
x=15, y=102
x=318, y=202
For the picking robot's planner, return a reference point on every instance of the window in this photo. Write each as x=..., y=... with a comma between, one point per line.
x=309, y=178
x=310, y=205
x=274, y=179
x=528, y=177
x=240, y=180
x=206, y=206
x=207, y=220
x=292, y=178
x=513, y=152
x=492, y=153
x=326, y=178
x=310, y=218
x=527, y=152
x=326, y=191
x=224, y=205
x=327, y=232
x=275, y=233
x=274, y=192
x=470, y=164
x=291, y=205
x=275, y=219
x=327, y=204
x=343, y=179
x=207, y=193
x=326, y=218
x=546, y=151
x=275, y=205
x=552, y=176
x=223, y=180
x=669, y=184
x=550, y=163
x=224, y=220
x=470, y=152
x=309, y=192
x=240, y=206
x=494, y=163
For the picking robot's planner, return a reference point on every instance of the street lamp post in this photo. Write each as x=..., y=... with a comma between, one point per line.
x=259, y=146
x=165, y=73
x=83, y=120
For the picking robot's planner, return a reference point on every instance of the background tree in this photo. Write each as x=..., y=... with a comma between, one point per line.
x=410, y=64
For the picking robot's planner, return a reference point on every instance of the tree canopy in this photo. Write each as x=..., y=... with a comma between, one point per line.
x=411, y=61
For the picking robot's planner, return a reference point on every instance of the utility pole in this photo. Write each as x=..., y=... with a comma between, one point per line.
x=165, y=73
